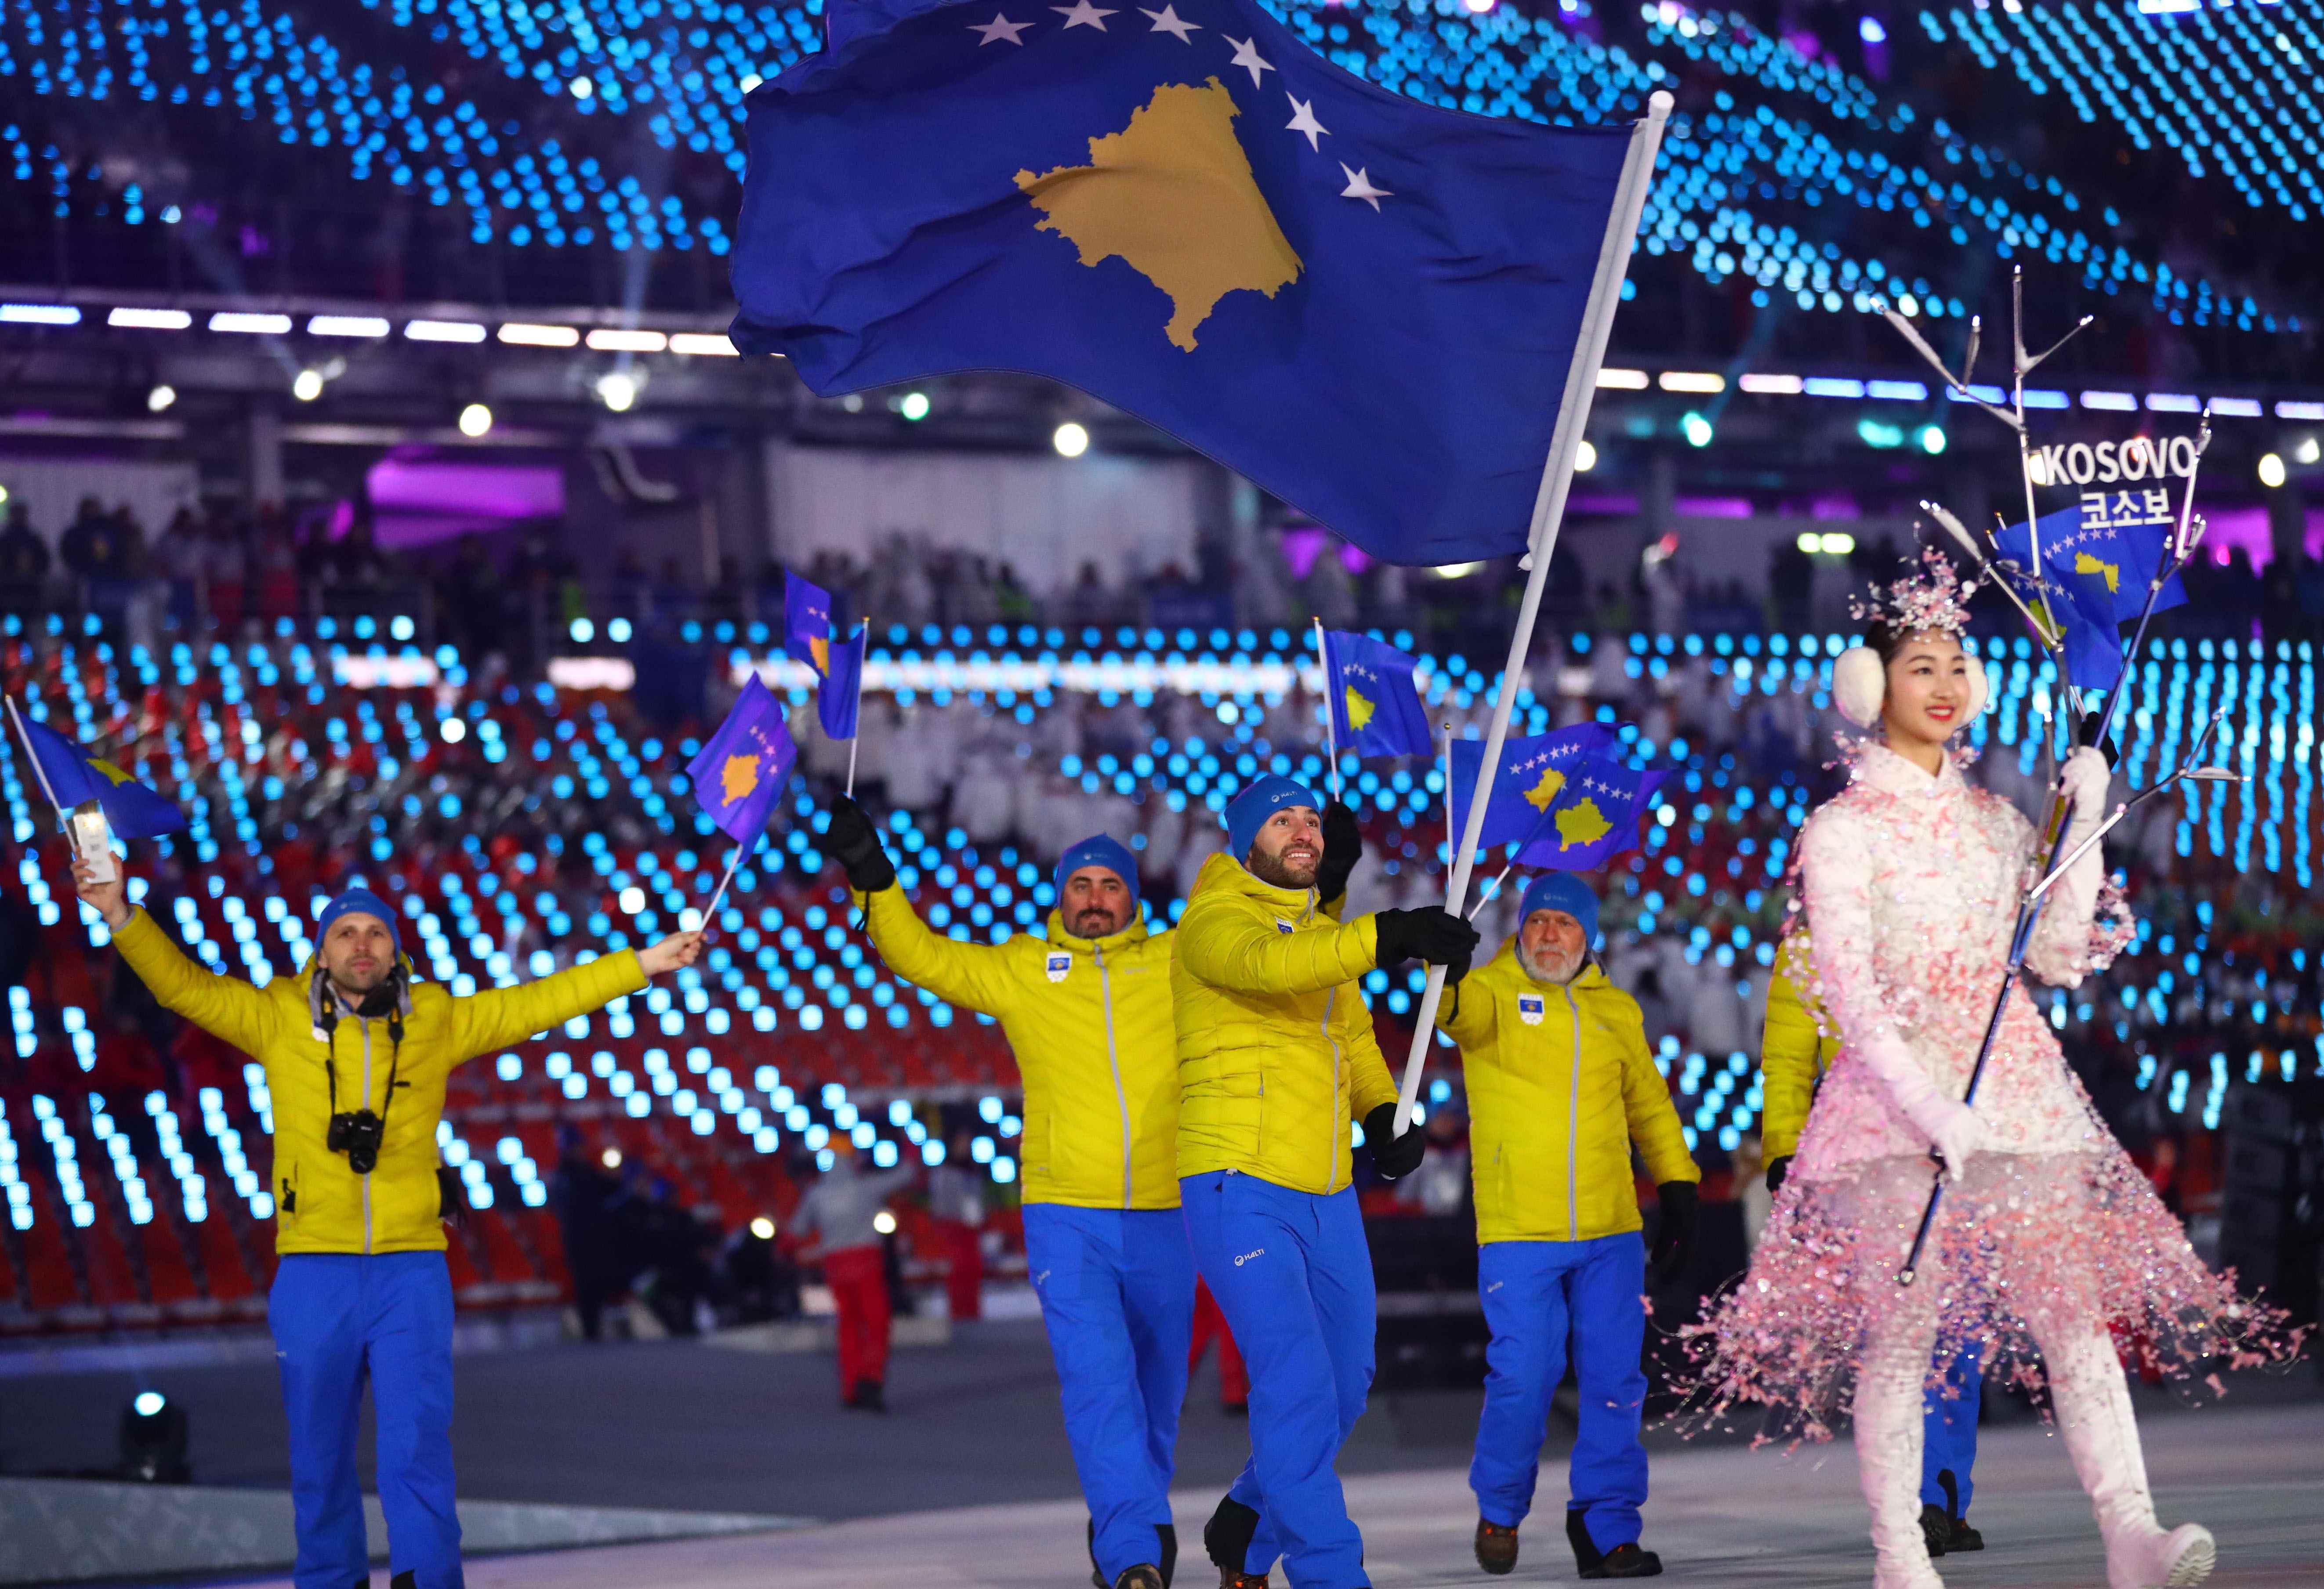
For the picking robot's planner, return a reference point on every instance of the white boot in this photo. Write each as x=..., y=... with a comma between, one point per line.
x=2091, y=1400
x=1889, y=1436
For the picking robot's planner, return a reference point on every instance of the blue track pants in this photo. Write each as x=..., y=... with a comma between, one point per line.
x=338, y=1319
x=1545, y=1301
x=1292, y=1275
x=1117, y=1290
x=1949, y=1428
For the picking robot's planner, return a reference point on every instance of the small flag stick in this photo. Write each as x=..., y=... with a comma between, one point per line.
x=1331, y=717
x=859, y=663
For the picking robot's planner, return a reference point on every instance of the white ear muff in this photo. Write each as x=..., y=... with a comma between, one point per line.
x=1980, y=691
x=1859, y=685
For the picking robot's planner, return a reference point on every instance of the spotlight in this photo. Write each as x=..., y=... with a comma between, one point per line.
x=1585, y=458
x=611, y=1157
x=153, y=1440
x=2309, y=451
x=1695, y=428
x=159, y=399
x=617, y=389
x=1931, y=438
x=884, y=1223
x=2271, y=470
x=308, y=385
x=475, y=420
x=913, y=406
x=763, y=1228
x=1071, y=440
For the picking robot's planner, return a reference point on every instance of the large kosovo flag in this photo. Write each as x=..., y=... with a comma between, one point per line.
x=2097, y=559
x=1367, y=305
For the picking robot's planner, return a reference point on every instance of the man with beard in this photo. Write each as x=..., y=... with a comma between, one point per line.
x=1087, y=1011
x=1561, y=1086
x=1275, y=1058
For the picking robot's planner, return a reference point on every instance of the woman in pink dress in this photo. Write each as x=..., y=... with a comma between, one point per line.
x=2047, y=1241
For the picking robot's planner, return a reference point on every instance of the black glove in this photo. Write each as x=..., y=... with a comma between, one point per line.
x=1394, y=1157
x=1427, y=934
x=1343, y=847
x=1674, y=1233
x=852, y=839
x=2086, y=735
x=1776, y=1169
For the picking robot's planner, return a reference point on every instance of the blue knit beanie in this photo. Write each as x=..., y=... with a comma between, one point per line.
x=360, y=901
x=1562, y=891
x=1098, y=850
x=1248, y=811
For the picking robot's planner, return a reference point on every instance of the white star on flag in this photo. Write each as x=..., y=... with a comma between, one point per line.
x=998, y=29
x=1303, y=120
x=1080, y=13
x=1166, y=20
x=1359, y=186
x=1246, y=56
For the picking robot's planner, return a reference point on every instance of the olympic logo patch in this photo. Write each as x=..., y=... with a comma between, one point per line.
x=1059, y=963
x=1531, y=1007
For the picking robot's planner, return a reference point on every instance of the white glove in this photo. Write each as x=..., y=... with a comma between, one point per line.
x=1951, y=1126
x=2086, y=778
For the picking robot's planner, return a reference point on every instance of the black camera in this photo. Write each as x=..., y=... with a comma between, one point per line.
x=358, y=1136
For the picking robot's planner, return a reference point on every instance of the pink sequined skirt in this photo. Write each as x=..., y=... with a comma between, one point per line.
x=2026, y=1244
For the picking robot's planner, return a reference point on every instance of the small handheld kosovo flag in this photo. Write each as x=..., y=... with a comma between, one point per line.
x=1534, y=773
x=807, y=624
x=2097, y=559
x=837, y=697
x=1593, y=818
x=132, y=810
x=1189, y=212
x=1375, y=706
x=739, y=774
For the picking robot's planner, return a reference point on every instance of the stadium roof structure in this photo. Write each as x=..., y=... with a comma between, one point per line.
x=590, y=152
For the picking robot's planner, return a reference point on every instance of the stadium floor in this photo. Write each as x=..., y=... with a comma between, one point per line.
x=970, y=1479
x=1722, y=1517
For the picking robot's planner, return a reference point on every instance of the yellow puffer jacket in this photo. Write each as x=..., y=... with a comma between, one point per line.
x=1276, y=1049
x=322, y=1205
x=1089, y=1019
x=1561, y=1084
x=1793, y=1054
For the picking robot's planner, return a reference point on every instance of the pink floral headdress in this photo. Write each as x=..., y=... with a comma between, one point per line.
x=1933, y=600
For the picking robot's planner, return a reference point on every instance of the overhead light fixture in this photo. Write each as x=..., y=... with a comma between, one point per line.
x=2272, y=472
x=1692, y=381
x=1070, y=439
x=516, y=334
x=618, y=390
x=1622, y=380
x=246, y=324
x=443, y=331
x=136, y=319
x=159, y=399
x=1585, y=458
x=913, y=406
x=307, y=385
x=1695, y=428
x=1772, y=385
x=475, y=420
x=1454, y=570
x=347, y=326
x=1877, y=434
x=611, y=339
x=38, y=314
x=714, y=343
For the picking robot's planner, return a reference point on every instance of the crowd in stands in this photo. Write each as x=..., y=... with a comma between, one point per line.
x=519, y=825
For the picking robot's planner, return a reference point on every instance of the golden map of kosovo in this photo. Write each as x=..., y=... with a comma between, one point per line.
x=1543, y=793
x=739, y=776
x=2086, y=564
x=1359, y=712
x=1172, y=194
x=1581, y=823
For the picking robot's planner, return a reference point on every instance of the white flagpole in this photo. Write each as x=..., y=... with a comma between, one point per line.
x=1548, y=513
x=33, y=756
x=710, y=912
x=860, y=664
x=1330, y=731
x=1451, y=899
